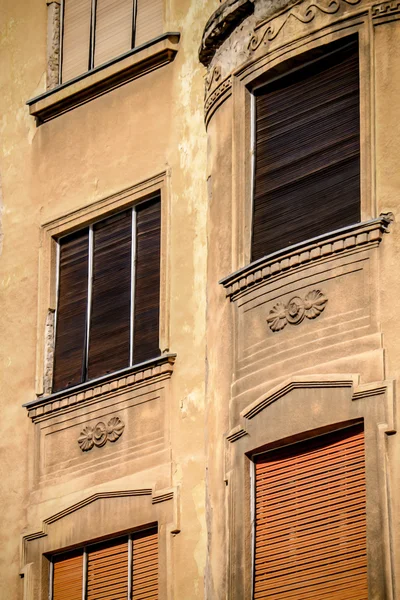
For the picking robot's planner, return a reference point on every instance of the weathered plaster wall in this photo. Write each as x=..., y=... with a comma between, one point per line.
x=150, y=125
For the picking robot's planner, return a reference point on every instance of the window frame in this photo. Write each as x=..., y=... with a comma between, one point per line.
x=86, y=548
x=92, y=40
x=81, y=216
x=257, y=74
x=90, y=281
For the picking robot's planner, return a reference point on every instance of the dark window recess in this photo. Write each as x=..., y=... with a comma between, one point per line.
x=307, y=154
x=96, y=287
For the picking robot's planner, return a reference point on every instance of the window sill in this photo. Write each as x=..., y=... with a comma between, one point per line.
x=137, y=62
x=160, y=367
x=349, y=238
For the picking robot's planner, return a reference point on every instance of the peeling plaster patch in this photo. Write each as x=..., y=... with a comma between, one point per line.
x=190, y=405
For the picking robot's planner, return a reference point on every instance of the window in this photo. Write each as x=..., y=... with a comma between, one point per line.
x=307, y=151
x=123, y=568
x=310, y=520
x=96, y=31
x=108, y=295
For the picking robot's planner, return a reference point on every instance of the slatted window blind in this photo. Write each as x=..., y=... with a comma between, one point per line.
x=307, y=152
x=108, y=296
x=96, y=31
x=126, y=568
x=310, y=520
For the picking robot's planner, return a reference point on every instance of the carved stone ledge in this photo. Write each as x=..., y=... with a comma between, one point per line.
x=138, y=375
x=385, y=9
x=349, y=239
x=221, y=24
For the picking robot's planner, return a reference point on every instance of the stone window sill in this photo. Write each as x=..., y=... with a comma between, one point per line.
x=90, y=85
x=160, y=367
x=368, y=233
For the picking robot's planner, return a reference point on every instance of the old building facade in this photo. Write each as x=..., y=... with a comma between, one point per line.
x=200, y=350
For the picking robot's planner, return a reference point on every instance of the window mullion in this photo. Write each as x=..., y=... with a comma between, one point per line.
x=133, y=274
x=89, y=296
x=92, y=34
x=130, y=567
x=51, y=579
x=84, y=577
x=134, y=15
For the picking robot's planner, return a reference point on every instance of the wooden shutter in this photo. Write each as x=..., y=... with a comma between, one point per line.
x=107, y=572
x=149, y=20
x=310, y=532
x=114, y=28
x=307, y=166
x=147, y=281
x=70, y=340
x=68, y=577
x=76, y=38
x=109, y=335
x=145, y=566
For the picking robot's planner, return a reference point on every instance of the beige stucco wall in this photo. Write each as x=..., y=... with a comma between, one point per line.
x=151, y=125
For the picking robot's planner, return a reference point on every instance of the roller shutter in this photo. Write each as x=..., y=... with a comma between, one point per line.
x=307, y=163
x=310, y=520
x=114, y=28
x=149, y=20
x=147, y=283
x=145, y=566
x=67, y=577
x=69, y=358
x=107, y=572
x=76, y=38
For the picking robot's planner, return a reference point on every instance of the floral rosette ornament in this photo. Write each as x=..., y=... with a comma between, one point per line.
x=100, y=434
x=296, y=309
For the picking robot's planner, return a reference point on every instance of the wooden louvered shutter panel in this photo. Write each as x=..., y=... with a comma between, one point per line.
x=307, y=167
x=147, y=281
x=107, y=572
x=145, y=566
x=76, y=38
x=149, y=20
x=114, y=28
x=310, y=532
x=69, y=353
x=109, y=335
x=68, y=577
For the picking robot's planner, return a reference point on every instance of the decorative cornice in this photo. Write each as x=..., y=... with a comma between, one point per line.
x=268, y=30
x=221, y=24
x=348, y=239
x=157, y=368
x=100, y=434
x=217, y=96
x=131, y=65
x=385, y=9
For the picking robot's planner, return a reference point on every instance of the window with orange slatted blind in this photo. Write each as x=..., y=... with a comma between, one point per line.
x=97, y=31
x=112, y=570
x=310, y=520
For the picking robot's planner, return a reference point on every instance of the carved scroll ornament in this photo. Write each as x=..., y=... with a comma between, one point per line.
x=296, y=310
x=100, y=434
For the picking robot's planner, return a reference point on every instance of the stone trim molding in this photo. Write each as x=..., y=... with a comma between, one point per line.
x=131, y=65
x=221, y=24
x=268, y=30
x=348, y=239
x=155, y=369
x=385, y=9
x=338, y=380
x=217, y=96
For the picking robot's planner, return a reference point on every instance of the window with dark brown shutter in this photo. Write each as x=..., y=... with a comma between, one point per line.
x=310, y=520
x=307, y=152
x=108, y=296
x=126, y=568
x=97, y=31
